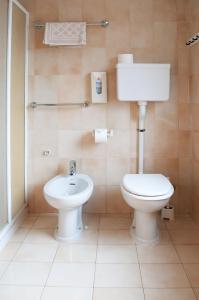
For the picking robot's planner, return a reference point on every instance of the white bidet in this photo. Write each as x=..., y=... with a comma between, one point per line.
x=68, y=194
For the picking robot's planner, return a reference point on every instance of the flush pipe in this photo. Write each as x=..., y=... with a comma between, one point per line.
x=141, y=130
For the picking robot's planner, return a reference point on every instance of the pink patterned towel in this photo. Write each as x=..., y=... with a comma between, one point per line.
x=65, y=34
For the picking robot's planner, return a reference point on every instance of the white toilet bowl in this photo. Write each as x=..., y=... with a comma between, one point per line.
x=68, y=194
x=147, y=194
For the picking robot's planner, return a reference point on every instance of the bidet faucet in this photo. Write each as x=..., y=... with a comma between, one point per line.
x=72, y=167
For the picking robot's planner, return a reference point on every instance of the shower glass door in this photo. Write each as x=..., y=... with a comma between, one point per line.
x=3, y=112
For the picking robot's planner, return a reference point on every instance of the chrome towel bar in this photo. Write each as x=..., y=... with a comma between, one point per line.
x=36, y=104
x=103, y=23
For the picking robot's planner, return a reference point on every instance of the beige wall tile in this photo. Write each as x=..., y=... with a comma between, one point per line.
x=154, y=31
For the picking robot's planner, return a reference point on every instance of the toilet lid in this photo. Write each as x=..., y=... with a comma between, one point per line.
x=147, y=184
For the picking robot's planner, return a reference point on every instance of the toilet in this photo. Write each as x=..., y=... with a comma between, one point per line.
x=146, y=194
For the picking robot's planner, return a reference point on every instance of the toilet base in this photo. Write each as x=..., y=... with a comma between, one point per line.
x=144, y=227
x=70, y=225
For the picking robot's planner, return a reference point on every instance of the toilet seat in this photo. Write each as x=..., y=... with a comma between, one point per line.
x=148, y=186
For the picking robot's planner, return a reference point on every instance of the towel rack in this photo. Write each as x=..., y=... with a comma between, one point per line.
x=36, y=104
x=103, y=23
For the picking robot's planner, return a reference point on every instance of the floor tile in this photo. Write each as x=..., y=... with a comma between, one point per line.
x=88, y=237
x=192, y=271
x=188, y=254
x=64, y=293
x=164, y=238
x=182, y=223
x=76, y=253
x=29, y=221
x=117, y=275
x=163, y=276
x=72, y=274
x=40, y=236
x=46, y=222
x=183, y=237
x=19, y=273
x=36, y=252
x=157, y=254
x=91, y=221
x=9, y=251
x=115, y=237
x=111, y=222
x=118, y=294
x=116, y=254
x=171, y=294
x=20, y=293
x=3, y=267
x=20, y=235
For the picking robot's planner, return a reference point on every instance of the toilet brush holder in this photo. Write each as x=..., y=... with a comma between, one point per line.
x=167, y=213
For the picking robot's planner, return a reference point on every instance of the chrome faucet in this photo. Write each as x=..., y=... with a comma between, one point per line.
x=72, y=167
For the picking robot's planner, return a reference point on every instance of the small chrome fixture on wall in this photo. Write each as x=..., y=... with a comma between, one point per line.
x=193, y=40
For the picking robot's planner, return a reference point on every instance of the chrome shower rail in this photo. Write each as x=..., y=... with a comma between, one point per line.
x=36, y=104
x=103, y=23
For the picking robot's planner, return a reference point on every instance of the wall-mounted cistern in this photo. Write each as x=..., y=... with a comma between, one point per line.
x=146, y=193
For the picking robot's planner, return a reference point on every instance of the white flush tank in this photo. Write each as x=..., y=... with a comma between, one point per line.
x=143, y=82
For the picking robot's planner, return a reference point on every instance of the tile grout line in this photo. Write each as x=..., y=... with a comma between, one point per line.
x=98, y=230
x=20, y=242
x=181, y=263
x=44, y=286
x=136, y=245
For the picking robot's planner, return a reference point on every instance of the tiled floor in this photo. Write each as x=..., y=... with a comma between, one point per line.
x=105, y=264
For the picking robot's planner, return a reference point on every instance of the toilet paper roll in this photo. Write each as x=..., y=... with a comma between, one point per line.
x=101, y=135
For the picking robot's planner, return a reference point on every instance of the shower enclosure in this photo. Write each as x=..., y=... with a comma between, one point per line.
x=13, y=95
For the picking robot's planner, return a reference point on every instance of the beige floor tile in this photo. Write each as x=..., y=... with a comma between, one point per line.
x=20, y=293
x=111, y=222
x=164, y=238
x=192, y=271
x=182, y=223
x=116, y=254
x=46, y=222
x=76, y=253
x=64, y=293
x=3, y=266
x=40, y=236
x=88, y=237
x=115, y=237
x=117, y=275
x=118, y=294
x=20, y=235
x=36, y=252
x=163, y=276
x=72, y=275
x=9, y=251
x=157, y=254
x=29, y=221
x=29, y=274
x=91, y=221
x=188, y=254
x=183, y=237
x=171, y=294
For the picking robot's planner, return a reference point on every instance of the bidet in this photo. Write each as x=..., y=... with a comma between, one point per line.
x=68, y=194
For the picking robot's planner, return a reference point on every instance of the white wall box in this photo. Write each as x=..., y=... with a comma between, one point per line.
x=98, y=87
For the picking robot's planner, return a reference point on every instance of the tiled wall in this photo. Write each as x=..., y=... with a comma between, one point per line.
x=194, y=100
x=154, y=31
